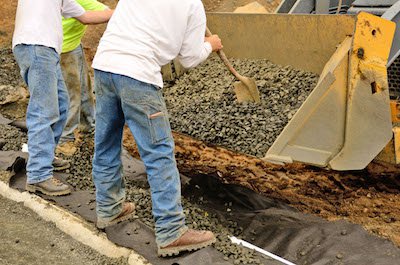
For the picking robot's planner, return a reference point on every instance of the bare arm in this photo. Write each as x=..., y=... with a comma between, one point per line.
x=95, y=17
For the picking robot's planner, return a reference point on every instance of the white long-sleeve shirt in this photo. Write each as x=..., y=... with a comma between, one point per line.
x=38, y=22
x=142, y=36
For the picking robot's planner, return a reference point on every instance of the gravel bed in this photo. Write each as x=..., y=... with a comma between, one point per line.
x=12, y=137
x=80, y=172
x=197, y=218
x=80, y=177
x=9, y=70
x=203, y=105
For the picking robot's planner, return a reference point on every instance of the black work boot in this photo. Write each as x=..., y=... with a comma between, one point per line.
x=51, y=187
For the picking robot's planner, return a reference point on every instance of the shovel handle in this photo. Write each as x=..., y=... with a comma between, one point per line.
x=224, y=59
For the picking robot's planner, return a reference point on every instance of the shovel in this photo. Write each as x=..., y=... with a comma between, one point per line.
x=246, y=89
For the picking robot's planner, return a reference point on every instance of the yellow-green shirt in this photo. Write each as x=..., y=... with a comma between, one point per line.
x=73, y=29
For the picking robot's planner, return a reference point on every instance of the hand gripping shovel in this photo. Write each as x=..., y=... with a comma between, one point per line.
x=246, y=89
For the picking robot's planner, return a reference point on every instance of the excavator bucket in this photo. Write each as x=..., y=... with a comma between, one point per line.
x=346, y=120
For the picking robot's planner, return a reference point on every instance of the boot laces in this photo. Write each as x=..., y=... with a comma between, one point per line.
x=57, y=182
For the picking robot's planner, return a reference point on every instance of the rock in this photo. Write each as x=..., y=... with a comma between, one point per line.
x=10, y=94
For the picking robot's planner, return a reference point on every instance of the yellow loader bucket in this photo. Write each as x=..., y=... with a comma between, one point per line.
x=346, y=120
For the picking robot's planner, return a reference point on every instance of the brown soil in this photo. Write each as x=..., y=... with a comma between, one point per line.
x=365, y=197
x=7, y=17
x=231, y=5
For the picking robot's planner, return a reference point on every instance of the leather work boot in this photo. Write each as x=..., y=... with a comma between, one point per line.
x=51, y=187
x=67, y=148
x=189, y=241
x=128, y=211
x=60, y=164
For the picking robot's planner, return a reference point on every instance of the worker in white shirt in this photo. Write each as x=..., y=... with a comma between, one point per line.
x=140, y=38
x=37, y=42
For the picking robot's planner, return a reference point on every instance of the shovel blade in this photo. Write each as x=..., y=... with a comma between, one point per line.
x=246, y=91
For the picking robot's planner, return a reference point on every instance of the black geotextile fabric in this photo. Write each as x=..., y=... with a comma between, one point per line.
x=271, y=225
x=284, y=231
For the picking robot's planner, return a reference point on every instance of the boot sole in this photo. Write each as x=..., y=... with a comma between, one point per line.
x=102, y=225
x=61, y=168
x=34, y=189
x=173, y=251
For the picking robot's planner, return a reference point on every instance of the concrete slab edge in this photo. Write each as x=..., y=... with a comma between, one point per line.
x=72, y=225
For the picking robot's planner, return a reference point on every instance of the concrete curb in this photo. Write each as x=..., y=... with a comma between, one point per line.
x=72, y=225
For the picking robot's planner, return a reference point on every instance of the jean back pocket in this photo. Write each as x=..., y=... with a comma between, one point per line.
x=159, y=125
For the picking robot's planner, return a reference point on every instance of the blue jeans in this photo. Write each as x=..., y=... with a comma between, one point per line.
x=47, y=108
x=77, y=79
x=121, y=99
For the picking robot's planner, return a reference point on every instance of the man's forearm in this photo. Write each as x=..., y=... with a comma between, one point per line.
x=196, y=56
x=95, y=17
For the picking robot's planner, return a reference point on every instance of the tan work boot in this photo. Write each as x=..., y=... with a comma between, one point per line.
x=67, y=148
x=189, y=241
x=128, y=211
x=60, y=164
x=51, y=187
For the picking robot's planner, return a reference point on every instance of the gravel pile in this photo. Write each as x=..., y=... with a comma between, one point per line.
x=9, y=70
x=12, y=137
x=202, y=104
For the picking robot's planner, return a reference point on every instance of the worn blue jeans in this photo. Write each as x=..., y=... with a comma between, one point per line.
x=77, y=79
x=119, y=100
x=47, y=109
